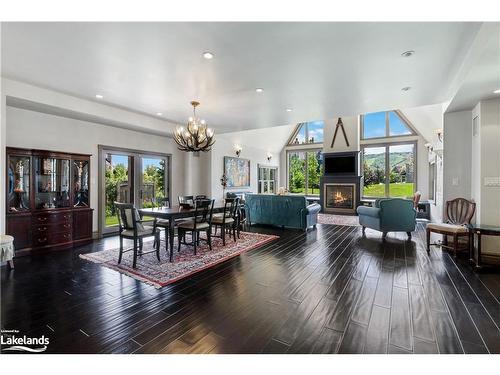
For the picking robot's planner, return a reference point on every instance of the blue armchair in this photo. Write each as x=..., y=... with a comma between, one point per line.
x=389, y=215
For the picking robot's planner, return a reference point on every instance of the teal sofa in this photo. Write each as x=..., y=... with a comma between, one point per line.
x=389, y=215
x=288, y=211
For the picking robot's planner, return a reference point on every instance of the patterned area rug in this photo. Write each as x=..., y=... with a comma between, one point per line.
x=160, y=274
x=338, y=219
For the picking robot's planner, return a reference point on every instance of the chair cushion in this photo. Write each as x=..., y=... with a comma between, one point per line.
x=146, y=231
x=220, y=219
x=449, y=228
x=162, y=222
x=190, y=225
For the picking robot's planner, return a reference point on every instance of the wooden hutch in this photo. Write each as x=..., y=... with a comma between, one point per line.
x=48, y=206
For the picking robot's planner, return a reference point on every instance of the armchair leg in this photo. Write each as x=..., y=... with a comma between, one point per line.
x=409, y=235
x=363, y=229
x=384, y=235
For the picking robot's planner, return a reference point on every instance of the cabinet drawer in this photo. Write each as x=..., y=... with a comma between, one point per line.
x=53, y=228
x=51, y=238
x=52, y=218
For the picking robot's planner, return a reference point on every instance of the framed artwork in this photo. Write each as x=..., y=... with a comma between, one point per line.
x=237, y=172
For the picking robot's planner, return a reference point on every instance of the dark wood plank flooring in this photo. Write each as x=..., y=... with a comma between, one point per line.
x=326, y=291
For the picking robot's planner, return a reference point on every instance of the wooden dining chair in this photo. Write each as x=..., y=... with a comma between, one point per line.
x=458, y=215
x=202, y=222
x=186, y=199
x=132, y=228
x=162, y=223
x=228, y=219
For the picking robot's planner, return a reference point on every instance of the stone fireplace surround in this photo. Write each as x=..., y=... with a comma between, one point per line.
x=354, y=179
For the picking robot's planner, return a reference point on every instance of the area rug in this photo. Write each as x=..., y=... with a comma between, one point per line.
x=338, y=219
x=160, y=274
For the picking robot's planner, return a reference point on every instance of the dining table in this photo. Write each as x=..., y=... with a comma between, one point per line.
x=173, y=214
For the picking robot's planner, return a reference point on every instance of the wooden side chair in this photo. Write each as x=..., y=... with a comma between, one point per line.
x=228, y=219
x=185, y=199
x=162, y=223
x=132, y=228
x=202, y=222
x=458, y=215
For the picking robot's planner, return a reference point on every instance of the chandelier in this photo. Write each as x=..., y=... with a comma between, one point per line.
x=195, y=136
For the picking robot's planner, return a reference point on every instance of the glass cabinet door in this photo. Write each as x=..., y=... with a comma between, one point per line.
x=52, y=183
x=80, y=183
x=18, y=189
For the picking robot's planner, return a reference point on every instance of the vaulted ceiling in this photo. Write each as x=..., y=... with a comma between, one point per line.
x=319, y=70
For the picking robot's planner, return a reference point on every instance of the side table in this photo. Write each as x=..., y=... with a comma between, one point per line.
x=480, y=230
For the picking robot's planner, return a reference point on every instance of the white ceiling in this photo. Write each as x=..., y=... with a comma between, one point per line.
x=321, y=70
x=484, y=75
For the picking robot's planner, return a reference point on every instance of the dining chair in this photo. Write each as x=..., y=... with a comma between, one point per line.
x=162, y=223
x=131, y=227
x=186, y=199
x=202, y=222
x=458, y=215
x=228, y=219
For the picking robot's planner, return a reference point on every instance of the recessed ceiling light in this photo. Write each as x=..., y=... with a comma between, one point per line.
x=407, y=88
x=496, y=91
x=99, y=96
x=159, y=114
x=208, y=55
x=289, y=110
x=408, y=53
x=259, y=89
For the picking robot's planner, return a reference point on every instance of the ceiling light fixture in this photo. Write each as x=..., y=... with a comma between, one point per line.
x=196, y=136
x=208, y=55
x=259, y=89
x=408, y=53
x=99, y=96
x=289, y=110
x=496, y=91
x=406, y=88
x=159, y=114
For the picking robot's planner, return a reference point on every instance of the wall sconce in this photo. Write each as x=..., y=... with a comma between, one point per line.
x=429, y=147
x=269, y=157
x=238, y=150
x=439, y=133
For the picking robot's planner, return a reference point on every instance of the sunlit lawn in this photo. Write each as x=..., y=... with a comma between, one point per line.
x=113, y=220
x=395, y=190
x=301, y=191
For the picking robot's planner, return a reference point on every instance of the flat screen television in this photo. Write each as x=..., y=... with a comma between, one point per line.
x=340, y=165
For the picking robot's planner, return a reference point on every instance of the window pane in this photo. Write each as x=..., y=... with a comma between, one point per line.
x=374, y=125
x=397, y=126
x=271, y=186
x=313, y=172
x=296, y=172
x=315, y=130
x=374, y=172
x=401, y=170
x=300, y=138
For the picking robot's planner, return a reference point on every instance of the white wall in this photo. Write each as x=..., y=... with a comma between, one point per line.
x=490, y=167
x=351, y=127
x=256, y=145
x=29, y=129
x=457, y=143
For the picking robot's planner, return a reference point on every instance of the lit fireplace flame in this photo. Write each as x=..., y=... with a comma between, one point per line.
x=338, y=197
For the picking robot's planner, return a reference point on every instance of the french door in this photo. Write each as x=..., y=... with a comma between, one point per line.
x=129, y=176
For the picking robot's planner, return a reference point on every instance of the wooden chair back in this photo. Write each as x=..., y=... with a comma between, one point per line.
x=203, y=211
x=162, y=202
x=186, y=199
x=459, y=211
x=127, y=218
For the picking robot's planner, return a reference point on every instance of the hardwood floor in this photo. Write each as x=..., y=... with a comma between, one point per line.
x=328, y=291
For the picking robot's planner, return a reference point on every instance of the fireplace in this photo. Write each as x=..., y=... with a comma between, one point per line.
x=340, y=185
x=339, y=198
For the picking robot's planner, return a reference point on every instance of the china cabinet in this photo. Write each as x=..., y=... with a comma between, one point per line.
x=47, y=203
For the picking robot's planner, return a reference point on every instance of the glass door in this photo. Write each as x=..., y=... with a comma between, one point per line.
x=118, y=185
x=154, y=184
